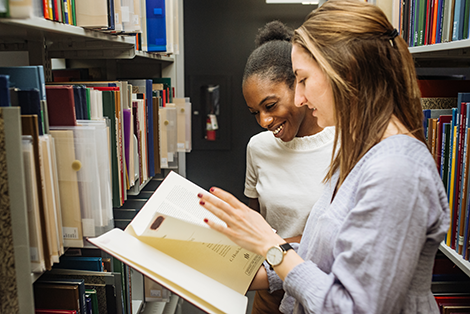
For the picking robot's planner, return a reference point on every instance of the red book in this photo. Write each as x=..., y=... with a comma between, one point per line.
x=38, y=311
x=427, y=20
x=60, y=105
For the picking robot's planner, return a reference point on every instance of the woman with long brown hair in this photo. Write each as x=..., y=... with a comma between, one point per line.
x=370, y=240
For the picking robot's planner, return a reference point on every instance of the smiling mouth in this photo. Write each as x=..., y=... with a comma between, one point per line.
x=276, y=131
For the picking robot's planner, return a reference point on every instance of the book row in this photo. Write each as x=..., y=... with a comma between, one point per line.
x=425, y=22
x=85, y=282
x=154, y=23
x=86, y=146
x=450, y=286
x=447, y=131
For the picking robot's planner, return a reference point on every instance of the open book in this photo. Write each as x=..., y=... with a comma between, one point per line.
x=169, y=242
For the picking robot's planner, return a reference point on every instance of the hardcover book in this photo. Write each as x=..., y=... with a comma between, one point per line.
x=169, y=243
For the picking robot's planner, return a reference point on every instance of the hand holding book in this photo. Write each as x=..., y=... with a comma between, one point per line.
x=244, y=226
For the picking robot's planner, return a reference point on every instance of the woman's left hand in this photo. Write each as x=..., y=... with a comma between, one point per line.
x=246, y=227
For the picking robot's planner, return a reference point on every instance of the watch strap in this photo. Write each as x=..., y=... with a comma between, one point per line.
x=286, y=247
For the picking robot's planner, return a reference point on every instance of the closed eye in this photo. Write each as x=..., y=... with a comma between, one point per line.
x=254, y=112
x=270, y=106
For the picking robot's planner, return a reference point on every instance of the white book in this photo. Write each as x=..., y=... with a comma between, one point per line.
x=169, y=242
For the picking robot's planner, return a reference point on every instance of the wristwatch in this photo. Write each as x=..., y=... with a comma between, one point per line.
x=275, y=254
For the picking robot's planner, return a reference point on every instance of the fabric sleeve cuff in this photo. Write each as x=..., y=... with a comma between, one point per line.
x=308, y=284
x=251, y=192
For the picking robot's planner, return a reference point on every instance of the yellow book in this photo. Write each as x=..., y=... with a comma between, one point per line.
x=452, y=179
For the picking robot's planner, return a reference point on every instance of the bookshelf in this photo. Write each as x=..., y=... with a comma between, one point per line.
x=42, y=40
x=451, y=55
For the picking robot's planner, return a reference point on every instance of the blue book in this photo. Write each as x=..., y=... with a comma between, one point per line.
x=459, y=14
x=156, y=25
x=89, y=305
x=80, y=263
x=427, y=116
x=445, y=153
x=145, y=86
x=27, y=77
x=452, y=125
x=440, y=14
x=111, y=21
x=30, y=103
x=5, y=91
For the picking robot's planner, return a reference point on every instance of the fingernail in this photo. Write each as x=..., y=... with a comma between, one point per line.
x=206, y=220
x=202, y=202
x=199, y=195
x=212, y=190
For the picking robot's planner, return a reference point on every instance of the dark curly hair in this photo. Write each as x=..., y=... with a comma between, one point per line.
x=272, y=57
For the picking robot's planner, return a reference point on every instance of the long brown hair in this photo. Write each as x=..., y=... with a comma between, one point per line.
x=371, y=73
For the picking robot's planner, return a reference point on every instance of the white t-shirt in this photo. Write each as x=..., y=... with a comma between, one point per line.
x=286, y=177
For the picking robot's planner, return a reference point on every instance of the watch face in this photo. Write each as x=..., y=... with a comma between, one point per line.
x=275, y=256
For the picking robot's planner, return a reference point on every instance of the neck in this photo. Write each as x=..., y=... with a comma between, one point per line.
x=395, y=127
x=309, y=125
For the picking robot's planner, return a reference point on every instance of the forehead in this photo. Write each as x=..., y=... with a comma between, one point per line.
x=257, y=88
x=300, y=58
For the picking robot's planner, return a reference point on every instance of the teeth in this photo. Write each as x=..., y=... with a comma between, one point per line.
x=275, y=132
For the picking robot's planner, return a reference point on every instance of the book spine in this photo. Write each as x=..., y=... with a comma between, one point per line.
x=463, y=206
x=451, y=184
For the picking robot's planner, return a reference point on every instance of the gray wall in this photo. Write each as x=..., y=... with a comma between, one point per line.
x=219, y=36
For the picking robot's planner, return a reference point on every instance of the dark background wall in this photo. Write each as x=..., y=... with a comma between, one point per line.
x=218, y=37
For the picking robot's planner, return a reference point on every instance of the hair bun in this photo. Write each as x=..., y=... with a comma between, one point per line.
x=274, y=30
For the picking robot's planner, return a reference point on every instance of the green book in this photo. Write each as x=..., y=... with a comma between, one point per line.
x=421, y=21
x=4, y=8
x=88, y=105
x=446, y=155
x=465, y=19
x=119, y=267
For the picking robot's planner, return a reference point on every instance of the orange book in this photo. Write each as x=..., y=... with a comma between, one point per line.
x=434, y=21
x=45, y=6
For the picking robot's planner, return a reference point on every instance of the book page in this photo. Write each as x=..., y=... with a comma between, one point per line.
x=172, y=222
x=175, y=197
x=202, y=291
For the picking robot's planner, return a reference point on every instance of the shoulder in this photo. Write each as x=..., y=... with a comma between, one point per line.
x=261, y=139
x=399, y=157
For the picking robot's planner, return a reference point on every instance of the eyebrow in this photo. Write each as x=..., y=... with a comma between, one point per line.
x=266, y=98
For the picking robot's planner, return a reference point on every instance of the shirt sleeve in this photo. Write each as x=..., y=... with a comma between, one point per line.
x=379, y=242
x=251, y=176
x=275, y=283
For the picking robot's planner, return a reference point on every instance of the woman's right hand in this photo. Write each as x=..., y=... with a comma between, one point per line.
x=245, y=227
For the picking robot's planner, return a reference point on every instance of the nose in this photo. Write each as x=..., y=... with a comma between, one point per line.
x=299, y=99
x=265, y=120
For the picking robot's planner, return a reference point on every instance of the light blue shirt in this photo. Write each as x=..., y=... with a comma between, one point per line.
x=372, y=249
